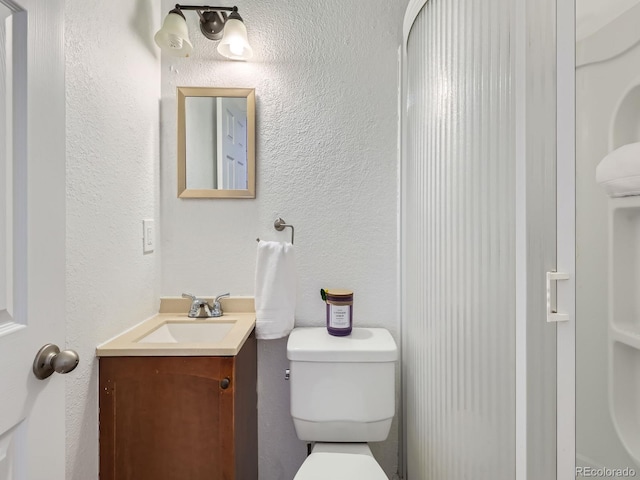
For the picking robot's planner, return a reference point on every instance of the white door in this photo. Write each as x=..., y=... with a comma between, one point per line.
x=232, y=150
x=241, y=152
x=32, y=236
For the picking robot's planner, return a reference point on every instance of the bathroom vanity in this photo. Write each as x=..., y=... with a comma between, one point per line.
x=180, y=407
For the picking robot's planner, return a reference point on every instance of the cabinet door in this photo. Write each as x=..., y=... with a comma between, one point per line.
x=163, y=418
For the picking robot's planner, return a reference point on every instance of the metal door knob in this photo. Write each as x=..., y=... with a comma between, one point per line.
x=50, y=359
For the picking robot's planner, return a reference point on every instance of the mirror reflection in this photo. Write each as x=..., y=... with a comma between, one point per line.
x=216, y=137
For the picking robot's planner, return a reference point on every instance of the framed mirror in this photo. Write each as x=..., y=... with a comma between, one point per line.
x=216, y=142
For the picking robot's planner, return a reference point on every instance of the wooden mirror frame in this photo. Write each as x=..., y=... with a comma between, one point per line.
x=249, y=94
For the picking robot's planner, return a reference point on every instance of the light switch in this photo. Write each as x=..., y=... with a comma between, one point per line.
x=148, y=236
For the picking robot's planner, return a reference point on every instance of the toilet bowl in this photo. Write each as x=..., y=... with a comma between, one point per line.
x=340, y=461
x=342, y=396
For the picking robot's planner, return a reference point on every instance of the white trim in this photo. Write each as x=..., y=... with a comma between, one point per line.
x=19, y=129
x=402, y=112
x=410, y=14
x=519, y=58
x=14, y=7
x=402, y=457
x=566, y=241
x=10, y=328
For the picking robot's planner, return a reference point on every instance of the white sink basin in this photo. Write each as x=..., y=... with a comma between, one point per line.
x=189, y=332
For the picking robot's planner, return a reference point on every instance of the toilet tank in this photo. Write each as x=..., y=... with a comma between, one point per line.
x=342, y=388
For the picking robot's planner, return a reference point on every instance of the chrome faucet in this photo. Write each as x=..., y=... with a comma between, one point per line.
x=216, y=310
x=200, y=308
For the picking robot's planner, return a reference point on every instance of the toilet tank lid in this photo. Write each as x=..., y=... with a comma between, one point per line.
x=363, y=345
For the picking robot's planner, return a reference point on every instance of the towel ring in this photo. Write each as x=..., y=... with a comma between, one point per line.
x=280, y=225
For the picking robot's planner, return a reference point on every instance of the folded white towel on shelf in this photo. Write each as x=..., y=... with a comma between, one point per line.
x=275, y=292
x=619, y=172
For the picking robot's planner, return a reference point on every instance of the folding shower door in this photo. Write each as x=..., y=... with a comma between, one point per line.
x=478, y=235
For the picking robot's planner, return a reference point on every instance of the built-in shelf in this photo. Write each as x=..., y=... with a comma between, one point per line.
x=624, y=400
x=624, y=321
x=628, y=336
x=624, y=266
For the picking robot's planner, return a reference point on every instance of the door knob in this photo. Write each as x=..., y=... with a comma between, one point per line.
x=50, y=359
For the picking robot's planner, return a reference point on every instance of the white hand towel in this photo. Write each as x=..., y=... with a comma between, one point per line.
x=619, y=172
x=275, y=290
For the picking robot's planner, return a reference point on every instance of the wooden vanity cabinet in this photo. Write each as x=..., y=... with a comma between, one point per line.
x=179, y=418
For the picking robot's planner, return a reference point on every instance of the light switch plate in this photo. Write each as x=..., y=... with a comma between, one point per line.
x=148, y=236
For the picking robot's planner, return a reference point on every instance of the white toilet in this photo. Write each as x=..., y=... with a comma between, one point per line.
x=342, y=396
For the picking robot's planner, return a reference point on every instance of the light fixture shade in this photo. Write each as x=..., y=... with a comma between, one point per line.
x=173, y=37
x=234, y=43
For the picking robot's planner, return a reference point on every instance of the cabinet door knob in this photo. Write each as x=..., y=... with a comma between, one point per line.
x=224, y=383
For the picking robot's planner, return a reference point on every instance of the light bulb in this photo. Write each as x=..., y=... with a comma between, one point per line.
x=234, y=43
x=236, y=48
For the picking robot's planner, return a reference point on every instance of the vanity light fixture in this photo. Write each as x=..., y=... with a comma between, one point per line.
x=222, y=24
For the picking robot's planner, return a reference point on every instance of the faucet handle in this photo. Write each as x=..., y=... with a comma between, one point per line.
x=217, y=308
x=200, y=308
x=221, y=296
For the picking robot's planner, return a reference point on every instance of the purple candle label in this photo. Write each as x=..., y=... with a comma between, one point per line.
x=340, y=316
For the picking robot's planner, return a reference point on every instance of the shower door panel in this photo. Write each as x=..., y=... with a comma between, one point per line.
x=478, y=236
x=536, y=111
x=566, y=246
x=459, y=375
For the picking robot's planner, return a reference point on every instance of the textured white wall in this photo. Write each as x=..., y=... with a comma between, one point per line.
x=325, y=79
x=112, y=94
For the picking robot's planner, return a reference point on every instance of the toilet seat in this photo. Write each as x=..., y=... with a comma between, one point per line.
x=340, y=462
